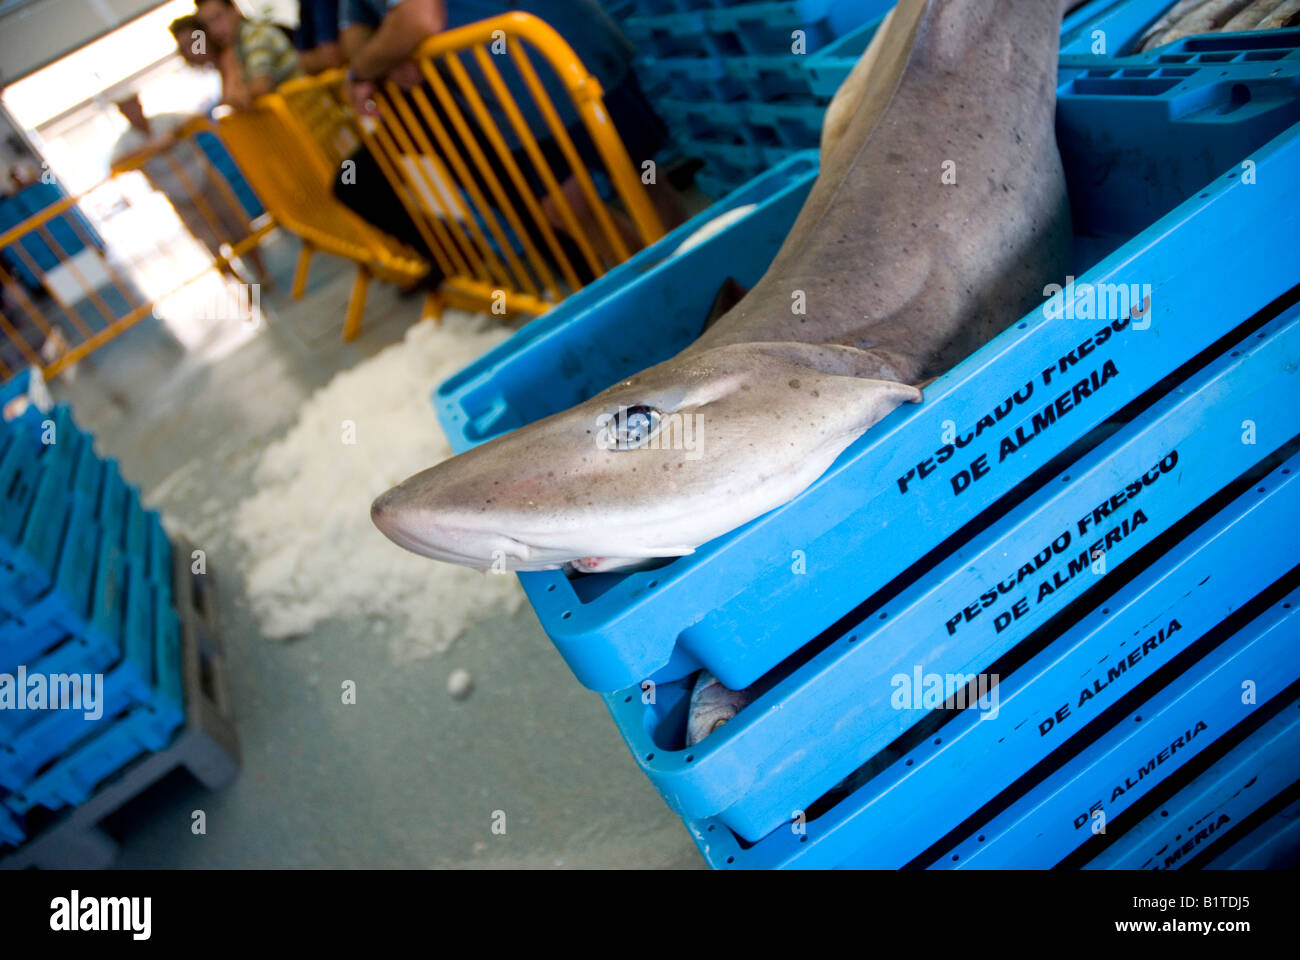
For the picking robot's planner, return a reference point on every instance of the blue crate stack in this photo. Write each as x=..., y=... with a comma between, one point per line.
x=1147, y=705
x=732, y=79
x=85, y=591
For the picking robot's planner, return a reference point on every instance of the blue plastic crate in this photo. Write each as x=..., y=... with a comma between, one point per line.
x=789, y=126
x=668, y=35
x=749, y=29
x=1111, y=28
x=881, y=825
x=773, y=77
x=774, y=130
x=28, y=561
x=1171, y=728
x=13, y=829
x=690, y=78
x=87, y=605
x=714, y=187
x=731, y=163
x=831, y=66
x=1259, y=56
x=24, y=403
x=143, y=728
x=19, y=474
x=1198, y=583
x=66, y=607
x=140, y=679
x=1203, y=814
x=617, y=630
x=814, y=726
x=1274, y=844
x=698, y=121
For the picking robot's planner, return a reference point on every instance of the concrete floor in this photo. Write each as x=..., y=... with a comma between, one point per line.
x=408, y=776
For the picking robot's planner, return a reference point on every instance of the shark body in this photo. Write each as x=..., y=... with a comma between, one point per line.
x=938, y=216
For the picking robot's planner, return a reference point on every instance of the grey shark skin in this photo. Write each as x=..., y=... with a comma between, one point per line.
x=901, y=275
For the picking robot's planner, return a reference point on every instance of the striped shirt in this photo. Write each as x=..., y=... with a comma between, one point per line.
x=263, y=50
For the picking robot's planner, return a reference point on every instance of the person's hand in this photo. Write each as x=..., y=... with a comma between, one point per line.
x=406, y=75
x=361, y=94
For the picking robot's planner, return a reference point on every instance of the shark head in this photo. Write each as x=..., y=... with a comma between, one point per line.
x=650, y=468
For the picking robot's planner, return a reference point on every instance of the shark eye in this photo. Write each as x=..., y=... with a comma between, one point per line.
x=633, y=426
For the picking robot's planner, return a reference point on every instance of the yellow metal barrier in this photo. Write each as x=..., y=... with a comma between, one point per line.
x=518, y=223
x=293, y=176
x=493, y=230
x=83, y=298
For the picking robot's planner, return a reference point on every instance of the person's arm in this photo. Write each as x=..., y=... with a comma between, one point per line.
x=265, y=48
x=324, y=57
x=233, y=89
x=403, y=29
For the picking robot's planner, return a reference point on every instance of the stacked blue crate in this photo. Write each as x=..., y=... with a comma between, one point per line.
x=85, y=597
x=731, y=78
x=1172, y=621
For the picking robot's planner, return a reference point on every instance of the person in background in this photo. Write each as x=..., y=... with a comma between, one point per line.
x=379, y=36
x=200, y=204
x=192, y=41
x=317, y=37
x=254, y=56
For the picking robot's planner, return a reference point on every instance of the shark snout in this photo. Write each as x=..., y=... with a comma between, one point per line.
x=412, y=519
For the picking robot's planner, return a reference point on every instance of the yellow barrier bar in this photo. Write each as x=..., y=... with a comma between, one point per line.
x=98, y=340
x=489, y=128
x=478, y=250
x=468, y=182
x=19, y=342
x=91, y=292
x=30, y=320
x=36, y=271
x=7, y=282
x=562, y=140
x=544, y=171
x=118, y=282
x=215, y=176
x=198, y=200
x=583, y=90
x=36, y=219
x=444, y=248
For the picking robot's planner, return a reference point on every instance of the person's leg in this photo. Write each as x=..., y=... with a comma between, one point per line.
x=589, y=224
x=364, y=190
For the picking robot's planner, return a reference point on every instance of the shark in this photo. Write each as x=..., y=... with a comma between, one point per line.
x=937, y=217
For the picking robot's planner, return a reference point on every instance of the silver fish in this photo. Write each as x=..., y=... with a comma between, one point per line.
x=712, y=705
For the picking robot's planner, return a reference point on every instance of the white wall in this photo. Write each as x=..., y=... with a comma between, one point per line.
x=44, y=30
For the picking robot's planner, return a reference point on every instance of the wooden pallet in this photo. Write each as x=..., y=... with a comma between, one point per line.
x=207, y=746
